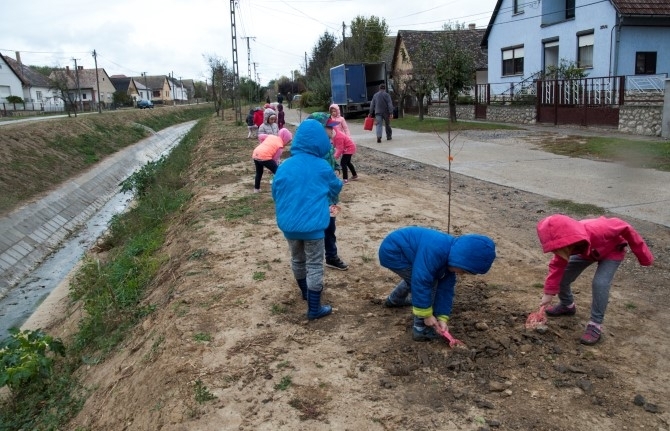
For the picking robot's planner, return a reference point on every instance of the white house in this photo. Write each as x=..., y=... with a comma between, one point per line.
x=17, y=79
x=605, y=38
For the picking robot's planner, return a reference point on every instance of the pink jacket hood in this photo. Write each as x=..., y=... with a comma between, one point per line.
x=558, y=231
x=343, y=126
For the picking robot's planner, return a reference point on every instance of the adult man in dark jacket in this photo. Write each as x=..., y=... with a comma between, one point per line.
x=381, y=108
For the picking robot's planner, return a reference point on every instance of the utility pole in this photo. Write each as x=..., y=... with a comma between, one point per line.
x=236, y=73
x=344, y=48
x=249, y=54
x=174, y=91
x=258, y=86
x=76, y=74
x=97, y=80
x=146, y=87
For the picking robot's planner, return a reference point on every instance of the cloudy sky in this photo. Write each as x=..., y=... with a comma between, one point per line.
x=172, y=36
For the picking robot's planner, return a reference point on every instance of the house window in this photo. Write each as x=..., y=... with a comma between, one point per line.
x=569, y=9
x=512, y=61
x=585, y=52
x=518, y=6
x=38, y=95
x=645, y=63
x=550, y=56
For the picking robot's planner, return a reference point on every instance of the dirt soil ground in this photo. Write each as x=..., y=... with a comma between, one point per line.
x=230, y=324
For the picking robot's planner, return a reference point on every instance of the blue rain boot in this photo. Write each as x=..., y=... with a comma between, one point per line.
x=302, y=284
x=314, y=308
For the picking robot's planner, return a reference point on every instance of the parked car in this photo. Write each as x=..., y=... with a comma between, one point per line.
x=142, y=104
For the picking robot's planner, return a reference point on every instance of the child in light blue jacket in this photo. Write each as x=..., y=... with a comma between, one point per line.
x=303, y=187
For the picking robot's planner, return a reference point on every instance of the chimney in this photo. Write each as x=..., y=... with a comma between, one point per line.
x=472, y=26
x=67, y=69
x=18, y=57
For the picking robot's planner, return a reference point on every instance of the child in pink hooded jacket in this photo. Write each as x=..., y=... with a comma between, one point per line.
x=345, y=148
x=335, y=115
x=578, y=244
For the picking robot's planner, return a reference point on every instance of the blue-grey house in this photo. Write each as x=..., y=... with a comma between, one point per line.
x=604, y=37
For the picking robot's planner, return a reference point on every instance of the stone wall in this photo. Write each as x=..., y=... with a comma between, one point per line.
x=519, y=114
x=641, y=120
x=463, y=112
x=636, y=118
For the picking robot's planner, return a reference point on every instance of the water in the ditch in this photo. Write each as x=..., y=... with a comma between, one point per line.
x=20, y=303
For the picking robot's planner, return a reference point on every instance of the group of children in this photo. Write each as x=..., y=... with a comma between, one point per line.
x=428, y=262
x=265, y=121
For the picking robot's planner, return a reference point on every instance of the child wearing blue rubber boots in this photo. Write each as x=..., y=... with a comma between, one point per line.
x=303, y=187
x=428, y=262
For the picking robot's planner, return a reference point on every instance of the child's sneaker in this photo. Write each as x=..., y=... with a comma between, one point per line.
x=257, y=190
x=346, y=181
x=591, y=334
x=354, y=178
x=337, y=263
x=390, y=304
x=425, y=334
x=561, y=310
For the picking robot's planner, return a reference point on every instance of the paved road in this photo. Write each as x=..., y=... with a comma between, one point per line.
x=629, y=192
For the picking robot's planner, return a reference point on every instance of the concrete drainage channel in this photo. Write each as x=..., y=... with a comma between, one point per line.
x=42, y=241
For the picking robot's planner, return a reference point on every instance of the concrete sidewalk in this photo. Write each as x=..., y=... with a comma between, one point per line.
x=508, y=160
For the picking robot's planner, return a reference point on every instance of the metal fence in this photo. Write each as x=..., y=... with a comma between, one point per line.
x=646, y=83
x=609, y=90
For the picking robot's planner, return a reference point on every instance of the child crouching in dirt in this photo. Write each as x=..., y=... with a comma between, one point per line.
x=427, y=262
x=303, y=188
x=576, y=245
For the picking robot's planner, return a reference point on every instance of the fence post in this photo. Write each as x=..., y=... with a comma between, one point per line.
x=538, y=98
x=556, y=102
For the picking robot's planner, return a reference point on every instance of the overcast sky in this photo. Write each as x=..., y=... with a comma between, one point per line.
x=171, y=36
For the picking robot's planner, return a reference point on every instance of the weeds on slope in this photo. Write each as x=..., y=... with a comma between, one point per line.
x=110, y=292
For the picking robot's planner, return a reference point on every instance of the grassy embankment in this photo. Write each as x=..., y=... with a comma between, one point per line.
x=36, y=156
x=110, y=290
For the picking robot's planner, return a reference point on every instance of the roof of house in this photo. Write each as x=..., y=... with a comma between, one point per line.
x=153, y=82
x=656, y=8
x=642, y=7
x=468, y=38
x=121, y=83
x=26, y=74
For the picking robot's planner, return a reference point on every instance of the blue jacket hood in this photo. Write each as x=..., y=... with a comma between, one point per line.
x=311, y=138
x=472, y=253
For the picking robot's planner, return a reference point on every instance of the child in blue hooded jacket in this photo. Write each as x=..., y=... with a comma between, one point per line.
x=303, y=187
x=428, y=261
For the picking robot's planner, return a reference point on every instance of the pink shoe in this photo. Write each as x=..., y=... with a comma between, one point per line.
x=346, y=181
x=591, y=334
